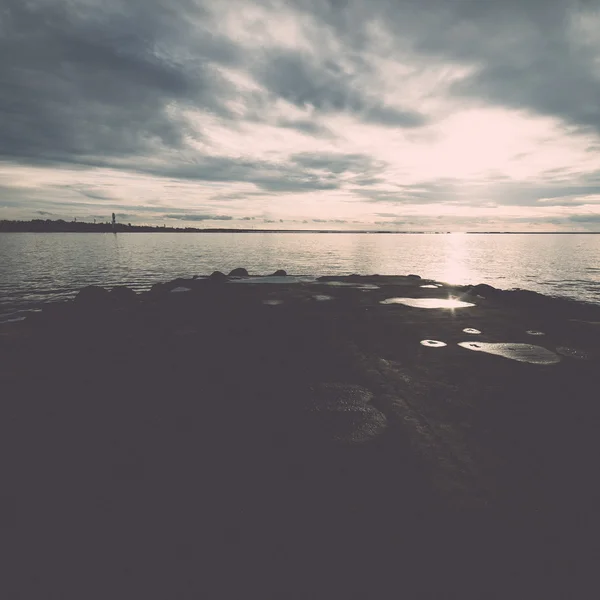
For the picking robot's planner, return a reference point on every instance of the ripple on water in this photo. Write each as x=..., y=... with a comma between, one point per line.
x=433, y=343
x=534, y=332
x=428, y=302
x=471, y=331
x=520, y=352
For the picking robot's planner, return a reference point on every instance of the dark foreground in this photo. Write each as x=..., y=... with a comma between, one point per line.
x=204, y=444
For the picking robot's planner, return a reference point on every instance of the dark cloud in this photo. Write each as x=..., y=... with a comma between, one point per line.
x=307, y=83
x=328, y=221
x=306, y=126
x=195, y=217
x=98, y=78
x=526, y=55
x=336, y=162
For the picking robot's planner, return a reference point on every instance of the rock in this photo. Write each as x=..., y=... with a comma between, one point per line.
x=218, y=276
x=341, y=413
x=159, y=288
x=123, y=295
x=92, y=295
x=484, y=290
x=279, y=273
x=414, y=276
x=239, y=272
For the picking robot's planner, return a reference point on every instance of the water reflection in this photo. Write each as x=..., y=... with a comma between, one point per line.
x=472, y=331
x=428, y=302
x=457, y=254
x=433, y=343
x=519, y=352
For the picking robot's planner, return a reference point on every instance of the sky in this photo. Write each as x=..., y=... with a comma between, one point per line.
x=453, y=115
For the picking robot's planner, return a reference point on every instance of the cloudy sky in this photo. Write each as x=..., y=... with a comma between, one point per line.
x=336, y=114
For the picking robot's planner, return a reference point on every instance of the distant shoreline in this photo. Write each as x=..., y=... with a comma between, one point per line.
x=60, y=226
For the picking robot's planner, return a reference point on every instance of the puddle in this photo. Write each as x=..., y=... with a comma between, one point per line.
x=272, y=302
x=179, y=290
x=520, y=352
x=433, y=343
x=534, y=332
x=428, y=302
x=322, y=298
x=429, y=287
x=472, y=331
x=573, y=353
x=338, y=283
x=368, y=286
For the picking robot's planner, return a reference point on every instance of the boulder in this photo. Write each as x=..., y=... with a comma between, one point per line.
x=218, y=276
x=92, y=295
x=158, y=288
x=123, y=295
x=279, y=273
x=483, y=289
x=239, y=272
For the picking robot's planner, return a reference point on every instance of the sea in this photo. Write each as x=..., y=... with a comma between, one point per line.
x=36, y=268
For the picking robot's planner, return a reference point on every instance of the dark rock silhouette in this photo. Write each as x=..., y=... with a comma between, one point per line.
x=123, y=295
x=159, y=288
x=92, y=295
x=239, y=272
x=414, y=276
x=483, y=289
x=280, y=273
x=218, y=276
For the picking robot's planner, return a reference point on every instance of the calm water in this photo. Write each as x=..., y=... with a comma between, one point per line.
x=40, y=267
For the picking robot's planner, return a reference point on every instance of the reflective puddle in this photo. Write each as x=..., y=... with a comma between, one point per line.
x=534, y=332
x=433, y=343
x=428, y=302
x=429, y=286
x=338, y=283
x=573, y=353
x=358, y=286
x=368, y=286
x=520, y=352
x=471, y=331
